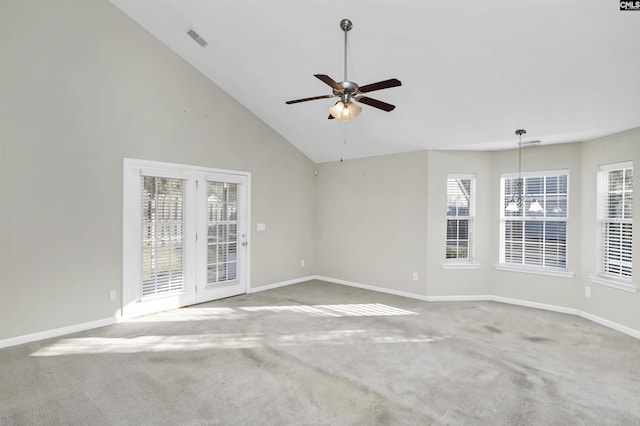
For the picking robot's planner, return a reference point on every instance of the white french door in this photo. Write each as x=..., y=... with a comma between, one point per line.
x=222, y=236
x=185, y=235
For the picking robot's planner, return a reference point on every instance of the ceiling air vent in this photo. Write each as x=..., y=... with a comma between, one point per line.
x=194, y=35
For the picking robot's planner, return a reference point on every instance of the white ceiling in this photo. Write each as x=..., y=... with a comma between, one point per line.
x=472, y=72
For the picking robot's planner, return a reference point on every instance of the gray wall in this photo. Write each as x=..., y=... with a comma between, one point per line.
x=536, y=288
x=453, y=282
x=83, y=86
x=380, y=219
x=606, y=302
x=370, y=221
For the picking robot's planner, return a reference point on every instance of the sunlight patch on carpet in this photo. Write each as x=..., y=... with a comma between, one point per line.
x=343, y=310
x=223, y=341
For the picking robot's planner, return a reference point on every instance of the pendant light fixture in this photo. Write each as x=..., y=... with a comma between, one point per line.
x=515, y=204
x=535, y=206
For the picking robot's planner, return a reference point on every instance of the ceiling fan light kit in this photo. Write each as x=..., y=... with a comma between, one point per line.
x=349, y=92
x=345, y=111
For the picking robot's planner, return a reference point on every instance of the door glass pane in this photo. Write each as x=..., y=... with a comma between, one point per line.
x=222, y=207
x=162, y=235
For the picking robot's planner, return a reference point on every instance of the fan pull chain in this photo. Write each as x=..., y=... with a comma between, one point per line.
x=344, y=138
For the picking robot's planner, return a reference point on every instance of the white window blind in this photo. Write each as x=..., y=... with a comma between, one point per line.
x=535, y=238
x=162, y=235
x=460, y=212
x=617, y=220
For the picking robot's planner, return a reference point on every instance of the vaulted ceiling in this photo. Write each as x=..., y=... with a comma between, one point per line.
x=472, y=72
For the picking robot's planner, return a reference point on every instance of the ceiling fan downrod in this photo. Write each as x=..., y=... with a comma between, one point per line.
x=346, y=26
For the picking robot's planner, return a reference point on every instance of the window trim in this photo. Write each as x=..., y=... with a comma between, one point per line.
x=459, y=265
x=617, y=284
x=533, y=270
x=613, y=281
x=469, y=261
x=526, y=268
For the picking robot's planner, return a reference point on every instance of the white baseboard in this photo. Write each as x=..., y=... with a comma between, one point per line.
x=56, y=332
x=469, y=298
x=47, y=334
x=614, y=325
x=373, y=288
x=491, y=298
x=465, y=298
x=282, y=284
x=536, y=305
x=18, y=340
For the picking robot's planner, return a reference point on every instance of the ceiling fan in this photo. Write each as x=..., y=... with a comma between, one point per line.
x=349, y=92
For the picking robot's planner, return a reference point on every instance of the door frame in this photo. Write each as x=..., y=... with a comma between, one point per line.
x=131, y=303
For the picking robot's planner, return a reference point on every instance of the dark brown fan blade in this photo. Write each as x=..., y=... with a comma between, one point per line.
x=394, y=82
x=328, y=80
x=376, y=103
x=295, y=101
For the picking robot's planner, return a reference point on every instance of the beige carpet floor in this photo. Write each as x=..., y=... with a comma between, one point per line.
x=323, y=354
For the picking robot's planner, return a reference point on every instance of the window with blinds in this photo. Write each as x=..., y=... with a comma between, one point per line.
x=460, y=212
x=222, y=225
x=616, y=217
x=535, y=238
x=162, y=235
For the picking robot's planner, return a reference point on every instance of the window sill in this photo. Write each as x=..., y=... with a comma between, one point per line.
x=620, y=285
x=460, y=265
x=538, y=271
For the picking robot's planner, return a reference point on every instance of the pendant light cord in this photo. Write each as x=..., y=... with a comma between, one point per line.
x=520, y=166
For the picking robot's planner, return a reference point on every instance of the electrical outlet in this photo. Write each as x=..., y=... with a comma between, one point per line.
x=112, y=295
x=415, y=276
x=302, y=263
x=587, y=291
